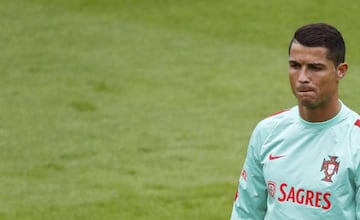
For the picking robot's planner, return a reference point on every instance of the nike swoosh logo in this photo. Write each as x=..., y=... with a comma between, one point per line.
x=271, y=157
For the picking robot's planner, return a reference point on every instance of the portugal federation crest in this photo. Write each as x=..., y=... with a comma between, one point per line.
x=330, y=167
x=271, y=188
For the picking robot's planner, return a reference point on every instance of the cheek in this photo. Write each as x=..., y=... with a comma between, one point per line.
x=292, y=78
x=292, y=81
x=326, y=86
x=330, y=86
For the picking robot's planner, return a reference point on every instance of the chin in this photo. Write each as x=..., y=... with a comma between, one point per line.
x=310, y=104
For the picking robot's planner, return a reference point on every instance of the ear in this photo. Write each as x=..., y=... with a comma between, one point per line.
x=342, y=70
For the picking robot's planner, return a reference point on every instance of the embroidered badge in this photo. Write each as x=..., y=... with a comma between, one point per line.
x=244, y=175
x=271, y=188
x=330, y=167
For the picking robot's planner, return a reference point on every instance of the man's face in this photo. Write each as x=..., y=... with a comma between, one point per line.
x=313, y=77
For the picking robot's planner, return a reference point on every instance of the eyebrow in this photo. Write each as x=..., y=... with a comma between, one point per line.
x=313, y=64
x=316, y=64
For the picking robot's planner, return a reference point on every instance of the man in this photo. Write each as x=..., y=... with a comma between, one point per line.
x=304, y=163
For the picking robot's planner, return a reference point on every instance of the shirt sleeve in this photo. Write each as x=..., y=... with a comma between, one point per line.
x=357, y=189
x=355, y=140
x=250, y=202
x=357, y=201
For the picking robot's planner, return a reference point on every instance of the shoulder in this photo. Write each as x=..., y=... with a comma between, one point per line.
x=355, y=129
x=357, y=123
x=278, y=118
x=274, y=122
x=353, y=123
x=354, y=139
x=353, y=119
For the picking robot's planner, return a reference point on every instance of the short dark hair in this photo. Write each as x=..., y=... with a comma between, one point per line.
x=322, y=35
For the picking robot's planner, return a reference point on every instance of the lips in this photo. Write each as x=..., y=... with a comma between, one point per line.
x=305, y=92
x=305, y=89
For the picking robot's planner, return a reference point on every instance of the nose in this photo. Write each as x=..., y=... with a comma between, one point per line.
x=303, y=76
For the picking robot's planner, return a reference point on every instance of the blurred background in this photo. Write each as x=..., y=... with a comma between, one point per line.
x=142, y=109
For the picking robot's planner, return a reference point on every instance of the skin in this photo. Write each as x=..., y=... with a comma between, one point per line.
x=314, y=81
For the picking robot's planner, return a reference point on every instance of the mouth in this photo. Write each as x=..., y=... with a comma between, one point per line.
x=305, y=90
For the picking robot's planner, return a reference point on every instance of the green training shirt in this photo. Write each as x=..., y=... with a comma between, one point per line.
x=296, y=169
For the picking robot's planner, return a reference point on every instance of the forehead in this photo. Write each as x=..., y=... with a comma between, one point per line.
x=305, y=54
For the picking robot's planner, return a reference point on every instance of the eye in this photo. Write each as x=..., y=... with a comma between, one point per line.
x=294, y=65
x=316, y=67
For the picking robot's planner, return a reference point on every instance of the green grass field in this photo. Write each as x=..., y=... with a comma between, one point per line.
x=143, y=109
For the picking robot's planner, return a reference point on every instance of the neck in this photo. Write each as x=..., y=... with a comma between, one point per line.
x=320, y=113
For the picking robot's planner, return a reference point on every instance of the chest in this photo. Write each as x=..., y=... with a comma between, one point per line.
x=308, y=160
